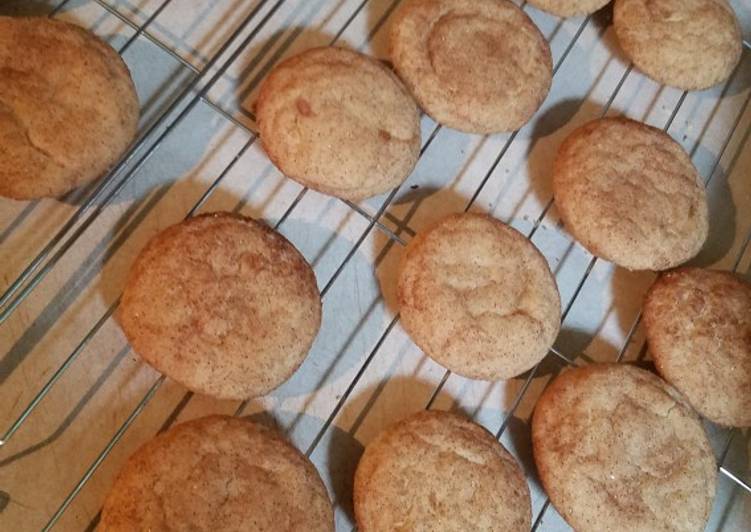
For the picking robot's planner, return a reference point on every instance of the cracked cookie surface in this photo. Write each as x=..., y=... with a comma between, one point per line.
x=698, y=326
x=339, y=122
x=437, y=471
x=689, y=44
x=68, y=107
x=569, y=8
x=480, y=66
x=477, y=297
x=218, y=473
x=630, y=194
x=222, y=304
x=617, y=448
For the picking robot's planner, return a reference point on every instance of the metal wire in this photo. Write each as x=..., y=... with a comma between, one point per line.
x=57, y=8
x=35, y=272
x=531, y=234
x=578, y=290
x=152, y=390
x=154, y=387
x=735, y=478
x=216, y=107
x=141, y=30
x=632, y=329
x=734, y=127
x=511, y=139
x=87, y=338
x=42, y=393
x=350, y=388
x=522, y=392
x=105, y=452
x=148, y=35
x=111, y=310
x=569, y=360
x=8, y=302
x=150, y=394
x=670, y=121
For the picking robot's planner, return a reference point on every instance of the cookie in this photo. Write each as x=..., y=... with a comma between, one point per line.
x=222, y=304
x=437, y=471
x=68, y=107
x=630, y=195
x=339, y=122
x=617, y=448
x=479, y=66
x=689, y=44
x=218, y=473
x=569, y=8
x=698, y=326
x=477, y=297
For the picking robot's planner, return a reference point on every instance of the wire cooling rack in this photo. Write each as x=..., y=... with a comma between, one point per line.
x=78, y=401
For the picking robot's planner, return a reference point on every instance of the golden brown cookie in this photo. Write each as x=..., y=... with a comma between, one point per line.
x=569, y=8
x=477, y=297
x=618, y=449
x=222, y=304
x=689, y=44
x=439, y=472
x=218, y=473
x=630, y=194
x=339, y=122
x=699, y=331
x=480, y=66
x=68, y=107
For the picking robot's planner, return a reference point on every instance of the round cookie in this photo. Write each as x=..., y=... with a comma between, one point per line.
x=477, y=297
x=437, y=471
x=689, y=44
x=222, y=304
x=68, y=107
x=479, y=66
x=569, y=8
x=218, y=473
x=617, y=448
x=339, y=122
x=630, y=194
x=698, y=326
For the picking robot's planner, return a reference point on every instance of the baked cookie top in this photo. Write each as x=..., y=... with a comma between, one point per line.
x=699, y=331
x=569, y=8
x=689, y=44
x=617, y=448
x=477, y=297
x=437, y=471
x=630, y=194
x=68, y=107
x=222, y=304
x=339, y=122
x=218, y=473
x=480, y=66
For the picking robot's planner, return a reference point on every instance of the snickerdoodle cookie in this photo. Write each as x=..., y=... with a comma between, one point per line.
x=68, y=107
x=477, y=297
x=617, y=448
x=480, y=66
x=218, y=473
x=569, y=8
x=630, y=194
x=689, y=44
x=339, y=122
x=439, y=472
x=222, y=304
x=699, y=331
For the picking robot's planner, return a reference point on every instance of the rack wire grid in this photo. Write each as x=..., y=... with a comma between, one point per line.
x=77, y=401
